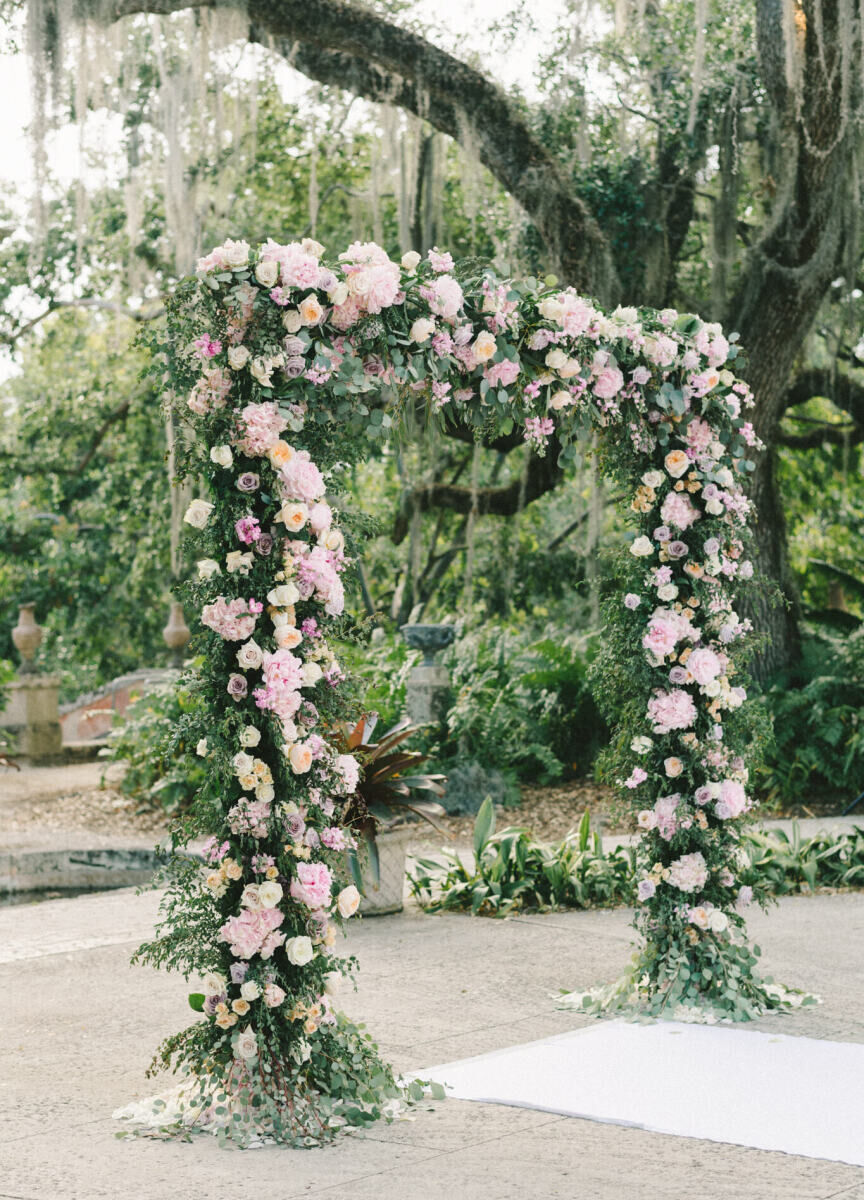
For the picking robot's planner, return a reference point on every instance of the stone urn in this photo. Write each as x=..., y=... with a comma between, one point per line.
x=428, y=685
x=27, y=637
x=176, y=633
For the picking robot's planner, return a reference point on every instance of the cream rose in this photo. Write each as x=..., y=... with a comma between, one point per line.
x=676, y=463
x=250, y=736
x=570, y=368
x=238, y=357
x=221, y=456
x=410, y=260
x=250, y=990
x=207, y=568
x=310, y=246
x=311, y=673
x=269, y=893
x=653, y=479
x=214, y=984
x=243, y=763
x=560, y=400
x=283, y=596
x=348, y=901
x=556, y=359
x=238, y=563
x=667, y=592
x=421, y=330
x=249, y=899
x=299, y=950
x=250, y=656
x=338, y=294
x=246, y=1044
x=291, y=321
x=311, y=311
x=293, y=516
x=267, y=273
x=279, y=454
x=198, y=514
x=642, y=547
x=484, y=346
x=673, y=767
x=551, y=309
x=332, y=539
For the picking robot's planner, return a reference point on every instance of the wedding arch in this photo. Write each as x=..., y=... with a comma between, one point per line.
x=284, y=366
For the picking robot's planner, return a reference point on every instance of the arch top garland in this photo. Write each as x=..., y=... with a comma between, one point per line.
x=283, y=367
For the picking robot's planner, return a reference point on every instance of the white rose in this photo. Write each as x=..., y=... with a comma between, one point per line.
x=250, y=656
x=198, y=514
x=249, y=898
x=724, y=477
x=641, y=745
x=551, y=309
x=267, y=273
x=570, y=368
x=711, y=689
x=270, y=893
x=221, y=456
x=299, y=950
x=718, y=921
x=246, y=1044
x=250, y=991
x=653, y=479
x=283, y=596
x=214, y=984
x=422, y=329
x=311, y=674
x=410, y=260
x=348, y=901
x=250, y=736
x=642, y=547
x=291, y=320
x=242, y=763
x=264, y=791
x=238, y=357
x=234, y=254
x=333, y=540
x=332, y=983
x=560, y=400
x=555, y=359
x=338, y=294
x=236, y=562
x=207, y=567
x=201, y=748
x=667, y=592
x=714, y=507
x=310, y=246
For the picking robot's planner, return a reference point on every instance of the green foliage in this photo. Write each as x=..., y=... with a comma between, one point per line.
x=470, y=781
x=781, y=863
x=156, y=741
x=818, y=724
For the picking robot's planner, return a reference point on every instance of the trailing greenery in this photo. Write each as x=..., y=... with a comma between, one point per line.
x=513, y=871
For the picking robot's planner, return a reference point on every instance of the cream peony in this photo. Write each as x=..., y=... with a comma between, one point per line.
x=269, y=893
x=411, y=260
x=484, y=347
x=207, y=568
x=422, y=330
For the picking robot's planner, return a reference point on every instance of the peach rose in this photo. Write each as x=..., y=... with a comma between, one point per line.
x=484, y=346
x=311, y=311
x=293, y=516
x=280, y=453
x=348, y=901
x=288, y=637
x=676, y=463
x=300, y=758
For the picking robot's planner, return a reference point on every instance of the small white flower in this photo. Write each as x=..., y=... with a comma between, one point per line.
x=201, y=748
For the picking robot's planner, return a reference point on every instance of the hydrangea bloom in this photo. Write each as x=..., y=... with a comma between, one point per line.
x=671, y=710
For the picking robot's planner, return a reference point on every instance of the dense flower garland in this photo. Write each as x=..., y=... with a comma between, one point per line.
x=285, y=366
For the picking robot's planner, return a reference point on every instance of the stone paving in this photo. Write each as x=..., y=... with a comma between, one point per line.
x=80, y=1024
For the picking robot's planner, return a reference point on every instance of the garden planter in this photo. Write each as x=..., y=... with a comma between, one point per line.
x=385, y=896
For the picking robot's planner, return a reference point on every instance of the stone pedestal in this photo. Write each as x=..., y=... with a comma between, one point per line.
x=426, y=692
x=30, y=718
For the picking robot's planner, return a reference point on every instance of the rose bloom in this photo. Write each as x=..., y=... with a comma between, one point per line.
x=688, y=873
x=676, y=463
x=421, y=330
x=248, y=482
x=293, y=516
x=608, y=383
x=300, y=757
x=288, y=637
x=348, y=901
x=237, y=687
x=299, y=950
x=246, y=1045
x=311, y=311
x=312, y=885
x=198, y=513
x=484, y=346
x=273, y=995
x=673, y=767
x=704, y=665
x=250, y=736
x=641, y=547
x=250, y=656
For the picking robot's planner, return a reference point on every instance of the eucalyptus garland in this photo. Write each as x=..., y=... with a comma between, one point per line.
x=283, y=369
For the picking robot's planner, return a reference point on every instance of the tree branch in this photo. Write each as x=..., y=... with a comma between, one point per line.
x=835, y=386
x=101, y=305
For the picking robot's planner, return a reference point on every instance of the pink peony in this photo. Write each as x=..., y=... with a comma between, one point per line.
x=320, y=518
x=313, y=885
x=704, y=665
x=318, y=576
x=688, y=873
x=300, y=479
x=348, y=768
x=665, y=810
x=283, y=677
x=252, y=931
x=447, y=298
x=671, y=710
x=503, y=373
x=662, y=636
x=608, y=383
x=678, y=510
x=732, y=802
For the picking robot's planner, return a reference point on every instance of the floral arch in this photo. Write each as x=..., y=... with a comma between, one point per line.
x=284, y=366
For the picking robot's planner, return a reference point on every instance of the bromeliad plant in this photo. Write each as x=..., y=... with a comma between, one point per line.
x=385, y=795
x=283, y=367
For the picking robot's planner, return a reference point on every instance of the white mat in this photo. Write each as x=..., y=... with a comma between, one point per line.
x=772, y=1092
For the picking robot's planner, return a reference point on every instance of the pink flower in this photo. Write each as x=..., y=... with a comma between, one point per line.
x=283, y=678
x=320, y=518
x=247, y=933
x=313, y=885
x=300, y=479
x=447, y=298
x=637, y=776
x=348, y=768
x=249, y=817
x=608, y=383
x=232, y=620
x=732, y=802
x=503, y=373
x=704, y=665
x=210, y=391
x=671, y=710
x=662, y=636
x=248, y=530
x=678, y=511
x=259, y=428
x=440, y=260
x=688, y=873
x=317, y=576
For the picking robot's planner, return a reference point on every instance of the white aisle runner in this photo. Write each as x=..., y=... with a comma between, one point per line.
x=769, y=1091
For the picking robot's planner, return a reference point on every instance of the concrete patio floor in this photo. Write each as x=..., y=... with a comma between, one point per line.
x=79, y=1026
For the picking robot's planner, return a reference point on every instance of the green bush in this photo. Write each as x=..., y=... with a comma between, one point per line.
x=468, y=783
x=156, y=739
x=818, y=723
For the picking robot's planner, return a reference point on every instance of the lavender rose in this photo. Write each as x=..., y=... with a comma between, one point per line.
x=248, y=482
x=237, y=687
